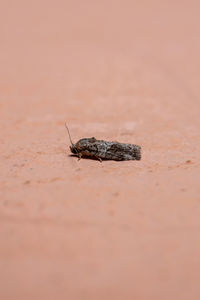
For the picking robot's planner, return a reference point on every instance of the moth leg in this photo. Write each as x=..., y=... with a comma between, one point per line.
x=79, y=156
x=99, y=159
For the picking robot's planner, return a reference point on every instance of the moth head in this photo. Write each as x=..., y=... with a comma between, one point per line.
x=73, y=149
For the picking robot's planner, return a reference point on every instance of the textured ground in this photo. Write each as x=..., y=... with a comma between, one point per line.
x=117, y=70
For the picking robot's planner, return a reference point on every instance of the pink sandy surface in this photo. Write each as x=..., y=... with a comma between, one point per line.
x=117, y=70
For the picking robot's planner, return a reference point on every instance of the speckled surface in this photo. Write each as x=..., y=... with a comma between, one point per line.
x=117, y=70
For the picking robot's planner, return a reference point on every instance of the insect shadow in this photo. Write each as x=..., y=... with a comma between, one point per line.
x=90, y=158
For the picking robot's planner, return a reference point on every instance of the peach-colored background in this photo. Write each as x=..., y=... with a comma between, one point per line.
x=116, y=70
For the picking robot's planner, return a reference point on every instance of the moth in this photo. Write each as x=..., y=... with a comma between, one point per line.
x=104, y=150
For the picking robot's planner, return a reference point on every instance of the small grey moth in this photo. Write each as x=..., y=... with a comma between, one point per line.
x=104, y=150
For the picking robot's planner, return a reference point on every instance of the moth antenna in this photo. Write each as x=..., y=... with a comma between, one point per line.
x=69, y=134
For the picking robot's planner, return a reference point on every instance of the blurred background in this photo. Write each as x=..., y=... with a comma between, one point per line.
x=116, y=70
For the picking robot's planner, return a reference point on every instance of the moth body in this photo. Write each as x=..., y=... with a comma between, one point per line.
x=100, y=149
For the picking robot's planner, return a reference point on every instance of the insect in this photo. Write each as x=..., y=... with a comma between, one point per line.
x=100, y=149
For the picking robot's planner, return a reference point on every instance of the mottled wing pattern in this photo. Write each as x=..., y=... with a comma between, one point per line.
x=108, y=150
x=119, y=151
